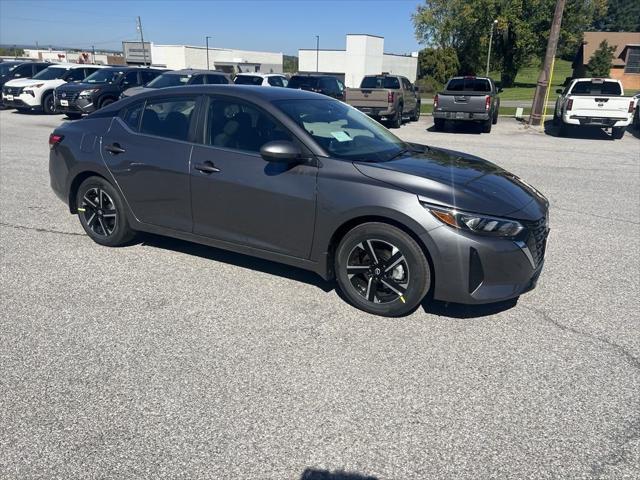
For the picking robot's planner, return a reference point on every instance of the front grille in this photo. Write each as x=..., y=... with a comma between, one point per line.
x=68, y=95
x=537, y=239
x=15, y=91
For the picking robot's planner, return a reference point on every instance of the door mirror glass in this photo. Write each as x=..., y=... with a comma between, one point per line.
x=559, y=90
x=280, y=151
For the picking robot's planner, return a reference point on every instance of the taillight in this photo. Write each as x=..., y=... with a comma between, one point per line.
x=390, y=97
x=631, y=106
x=487, y=102
x=570, y=104
x=435, y=101
x=55, y=139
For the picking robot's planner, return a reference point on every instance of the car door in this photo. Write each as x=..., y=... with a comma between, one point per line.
x=147, y=150
x=240, y=198
x=409, y=95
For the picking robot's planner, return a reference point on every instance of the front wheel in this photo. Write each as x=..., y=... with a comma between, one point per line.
x=48, y=104
x=618, y=132
x=382, y=270
x=102, y=213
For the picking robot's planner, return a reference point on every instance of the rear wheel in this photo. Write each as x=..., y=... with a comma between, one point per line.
x=563, y=129
x=102, y=214
x=416, y=113
x=380, y=269
x=48, y=104
x=495, y=117
x=397, y=118
x=618, y=132
x=486, y=126
x=438, y=124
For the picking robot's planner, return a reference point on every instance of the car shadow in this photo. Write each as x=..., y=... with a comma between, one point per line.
x=584, y=133
x=313, y=474
x=457, y=310
x=459, y=128
x=237, y=259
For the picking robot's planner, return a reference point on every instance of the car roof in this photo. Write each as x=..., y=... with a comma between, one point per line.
x=312, y=75
x=258, y=74
x=192, y=71
x=77, y=65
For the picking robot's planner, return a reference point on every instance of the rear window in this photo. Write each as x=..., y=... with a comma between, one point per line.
x=468, y=85
x=248, y=80
x=303, y=82
x=380, y=82
x=588, y=87
x=169, y=80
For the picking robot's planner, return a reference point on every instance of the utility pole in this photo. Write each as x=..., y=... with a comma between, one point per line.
x=493, y=24
x=144, y=50
x=317, y=53
x=543, y=80
x=207, y=39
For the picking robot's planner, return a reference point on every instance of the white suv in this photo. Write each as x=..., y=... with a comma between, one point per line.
x=266, y=79
x=36, y=93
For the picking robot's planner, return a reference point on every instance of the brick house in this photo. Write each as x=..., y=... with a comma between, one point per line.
x=626, y=58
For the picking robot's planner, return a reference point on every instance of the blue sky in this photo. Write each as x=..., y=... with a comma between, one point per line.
x=279, y=25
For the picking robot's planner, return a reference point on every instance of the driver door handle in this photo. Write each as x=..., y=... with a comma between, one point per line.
x=206, y=167
x=114, y=149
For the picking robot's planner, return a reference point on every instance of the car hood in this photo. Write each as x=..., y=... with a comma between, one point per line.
x=23, y=82
x=79, y=86
x=454, y=179
x=130, y=92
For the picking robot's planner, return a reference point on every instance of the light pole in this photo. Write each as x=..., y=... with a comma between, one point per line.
x=317, y=53
x=207, y=40
x=493, y=24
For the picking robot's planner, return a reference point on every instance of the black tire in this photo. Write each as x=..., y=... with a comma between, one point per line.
x=390, y=283
x=438, y=124
x=416, y=113
x=495, y=117
x=73, y=116
x=23, y=110
x=48, y=104
x=486, y=126
x=104, y=220
x=396, y=122
x=618, y=132
x=563, y=129
x=556, y=118
x=106, y=101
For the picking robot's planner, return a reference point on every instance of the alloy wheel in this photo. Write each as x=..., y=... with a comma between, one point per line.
x=99, y=212
x=378, y=271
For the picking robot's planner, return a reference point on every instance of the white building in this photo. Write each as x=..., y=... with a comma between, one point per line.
x=364, y=55
x=177, y=57
x=67, y=56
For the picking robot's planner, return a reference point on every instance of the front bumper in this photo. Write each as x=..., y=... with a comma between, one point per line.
x=592, y=121
x=475, y=269
x=23, y=100
x=462, y=116
x=75, y=105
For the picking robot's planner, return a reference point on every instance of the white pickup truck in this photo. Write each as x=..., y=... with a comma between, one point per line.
x=597, y=102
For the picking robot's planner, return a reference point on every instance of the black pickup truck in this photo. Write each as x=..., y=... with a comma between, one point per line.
x=467, y=99
x=100, y=89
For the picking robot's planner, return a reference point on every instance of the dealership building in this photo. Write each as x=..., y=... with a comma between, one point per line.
x=176, y=57
x=363, y=55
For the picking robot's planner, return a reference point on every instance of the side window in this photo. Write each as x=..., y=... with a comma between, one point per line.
x=217, y=80
x=168, y=117
x=131, y=115
x=130, y=79
x=340, y=86
x=148, y=76
x=197, y=80
x=241, y=126
x=74, y=75
x=39, y=68
x=275, y=81
x=89, y=71
x=22, y=71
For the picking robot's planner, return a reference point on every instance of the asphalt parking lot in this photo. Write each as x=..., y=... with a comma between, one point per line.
x=171, y=360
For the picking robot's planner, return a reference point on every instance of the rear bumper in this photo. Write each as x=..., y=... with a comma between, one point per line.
x=378, y=111
x=472, y=269
x=462, y=116
x=594, y=121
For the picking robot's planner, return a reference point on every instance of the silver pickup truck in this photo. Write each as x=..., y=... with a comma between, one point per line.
x=467, y=99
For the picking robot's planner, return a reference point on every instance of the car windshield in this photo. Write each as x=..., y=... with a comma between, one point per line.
x=51, y=73
x=342, y=131
x=104, y=75
x=380, y=82
x=589, y=87
x=7, y=67
x=468, y=85
x=248, y=80
x=303, y=82
x=168, y=80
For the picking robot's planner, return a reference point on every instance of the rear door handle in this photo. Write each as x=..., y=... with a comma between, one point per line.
x=206, y=167
x=114, y=149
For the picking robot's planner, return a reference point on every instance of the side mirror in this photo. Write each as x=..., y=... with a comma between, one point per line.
x=281, y=151
x=559, y=90
x=17, y=75
x=500, y=90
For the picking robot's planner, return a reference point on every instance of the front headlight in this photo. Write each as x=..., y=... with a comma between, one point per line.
x=88, y=93
x=476, y=223
x=35, y=85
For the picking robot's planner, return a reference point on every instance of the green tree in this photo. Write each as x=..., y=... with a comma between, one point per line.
x=440, y=64
x=290, y=64
x=520, y=34
x=620, y=16
x=600, y=62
